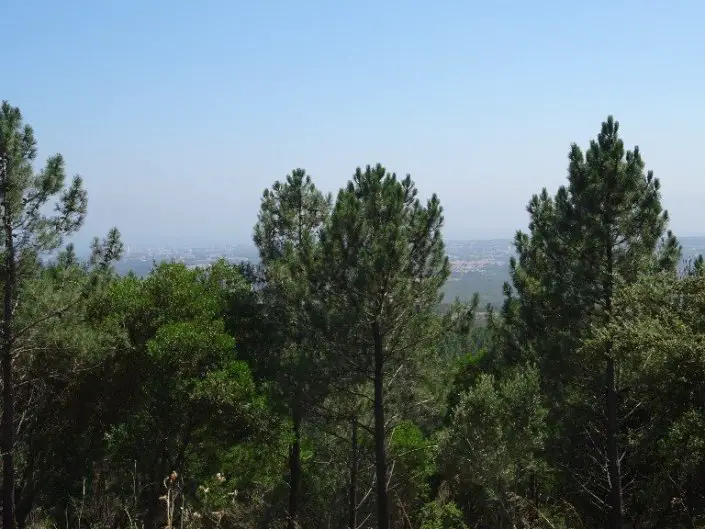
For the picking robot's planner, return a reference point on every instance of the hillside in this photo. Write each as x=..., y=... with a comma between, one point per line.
x=479, y=265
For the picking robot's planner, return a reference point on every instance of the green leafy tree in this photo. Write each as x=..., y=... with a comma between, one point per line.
x=490, y=454
x=291, y=216
x=193, y=405
x=438, y=515
x=28, y=231
x=60, y=405
x=601, y=231
x=658, y=335
x=384, y=264
x=188, y=404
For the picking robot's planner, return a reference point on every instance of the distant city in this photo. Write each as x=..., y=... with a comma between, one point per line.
x=480, y=266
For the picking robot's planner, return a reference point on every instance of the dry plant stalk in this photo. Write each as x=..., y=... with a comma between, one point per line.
x=173, y=491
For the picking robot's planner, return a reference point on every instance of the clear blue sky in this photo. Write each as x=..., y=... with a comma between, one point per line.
x=178, y=113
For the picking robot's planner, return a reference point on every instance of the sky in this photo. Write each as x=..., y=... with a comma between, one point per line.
x=179, y=113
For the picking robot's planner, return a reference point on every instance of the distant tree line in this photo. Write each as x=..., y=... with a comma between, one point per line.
x=324, y=388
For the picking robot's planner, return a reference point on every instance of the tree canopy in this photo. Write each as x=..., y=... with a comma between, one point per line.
x=331, y=385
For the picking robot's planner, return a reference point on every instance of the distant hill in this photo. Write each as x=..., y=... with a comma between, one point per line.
x=480, y=266
x=487, y=283
x=489, y=278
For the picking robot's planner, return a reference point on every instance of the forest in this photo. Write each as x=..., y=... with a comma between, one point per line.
x=324, y=388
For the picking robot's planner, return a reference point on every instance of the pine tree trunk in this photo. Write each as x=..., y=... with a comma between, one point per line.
x=380, y=451
x=613, y=464
x=25, y=494
x=23, y=508
x=155, y=507
x=8, y=396
x=295, y=472
x=352, y=507
x=689, y=502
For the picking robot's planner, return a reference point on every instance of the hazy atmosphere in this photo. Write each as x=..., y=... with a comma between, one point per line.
x=178, y=114
x=352, y=265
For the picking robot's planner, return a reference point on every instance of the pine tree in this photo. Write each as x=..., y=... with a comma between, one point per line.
x=384, y=264
x=27, y=233
x=287, y=235
x=602, y=230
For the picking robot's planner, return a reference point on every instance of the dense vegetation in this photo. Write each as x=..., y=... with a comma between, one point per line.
x=324, y=388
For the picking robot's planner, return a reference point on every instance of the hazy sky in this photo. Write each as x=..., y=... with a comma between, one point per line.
x=179, y=113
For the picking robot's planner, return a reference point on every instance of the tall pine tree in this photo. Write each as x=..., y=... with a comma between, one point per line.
x=291, y=216
x=602, y=230
x=384, y=264
x=27, y=232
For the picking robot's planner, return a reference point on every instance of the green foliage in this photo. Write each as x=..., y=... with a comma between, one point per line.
x=442, y=516
x=600, y=233
x=381, y=269
x=291, y=216
x=412, y=457
x=602, y=229
x=179, y=376
x=287, y=233
x=657, y=333
x=328, y=386
x=495, y=439
x=24, y=193
x=383, y=249
x=62, y=356
x=29, y=229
